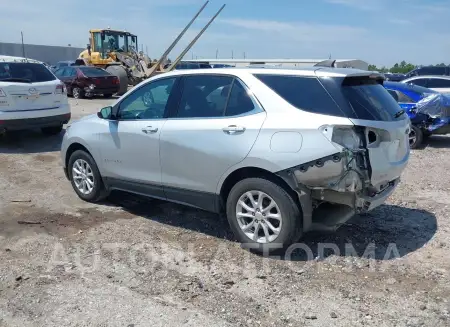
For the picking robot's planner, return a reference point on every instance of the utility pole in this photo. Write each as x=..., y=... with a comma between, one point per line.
x=232, y=54
x=146, y=50
x=217, y=53
x=244, y=55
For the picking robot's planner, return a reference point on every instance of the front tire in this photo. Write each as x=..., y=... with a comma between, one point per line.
x=85, y=177
x=415, y=137
x=51, y=130
x=262, y=215
x=77, y=93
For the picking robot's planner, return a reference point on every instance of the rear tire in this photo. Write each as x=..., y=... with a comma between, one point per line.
x=86, y=167
x=273, y=234
x=415, y=137
x=121, y=74
x=52, y=130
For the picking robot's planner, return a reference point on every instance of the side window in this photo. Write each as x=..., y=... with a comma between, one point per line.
x=394, y=94
x=147, y=102
x=72, y=72
x=432, y=71
x=403, y=98
x=420, y=82
x=239, y=102
x=304, y=93
x=438, y=83
x=204, y=96
x=59, y=72
x=65, y=72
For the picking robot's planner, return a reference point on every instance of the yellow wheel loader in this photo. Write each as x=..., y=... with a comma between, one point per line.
x=117, y=52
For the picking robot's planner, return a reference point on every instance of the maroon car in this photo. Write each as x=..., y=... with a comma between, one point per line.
x=84, y=81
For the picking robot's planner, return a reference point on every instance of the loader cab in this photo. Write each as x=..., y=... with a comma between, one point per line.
x=110, y=41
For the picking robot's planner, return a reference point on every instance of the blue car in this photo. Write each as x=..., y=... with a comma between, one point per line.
x=428, y=110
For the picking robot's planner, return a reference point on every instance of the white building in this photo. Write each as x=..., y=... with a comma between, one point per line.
x=285, y=63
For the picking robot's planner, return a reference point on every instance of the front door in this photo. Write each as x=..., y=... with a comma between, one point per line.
x=130, y=150
x=215, y=127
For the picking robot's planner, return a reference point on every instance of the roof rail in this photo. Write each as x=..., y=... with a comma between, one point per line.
x=331, y=63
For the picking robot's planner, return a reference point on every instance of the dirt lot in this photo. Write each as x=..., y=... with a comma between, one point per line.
x=137, y=262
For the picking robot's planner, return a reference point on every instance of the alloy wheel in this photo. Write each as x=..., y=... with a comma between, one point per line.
x=76, y=93
x=412, y=138
x=83, y=177
x=259, y=216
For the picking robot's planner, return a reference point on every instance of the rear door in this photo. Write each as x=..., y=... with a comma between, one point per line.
x=29, y=86
x=214, y=128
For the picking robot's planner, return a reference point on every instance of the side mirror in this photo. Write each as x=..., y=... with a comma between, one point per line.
x=105, y=113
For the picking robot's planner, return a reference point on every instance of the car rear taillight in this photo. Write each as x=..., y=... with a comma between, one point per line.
x=116, y=81
x=60, y=89
x=96, y=81
x=2, y=93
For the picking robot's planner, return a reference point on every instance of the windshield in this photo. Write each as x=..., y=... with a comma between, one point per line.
x=25, y=72
x=421, y=90
x=132, y=43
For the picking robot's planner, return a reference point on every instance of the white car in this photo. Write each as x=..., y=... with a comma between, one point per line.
x=436, y=83
x=31, y=97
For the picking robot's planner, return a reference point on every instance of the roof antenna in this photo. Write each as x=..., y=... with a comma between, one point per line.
x=23, y=48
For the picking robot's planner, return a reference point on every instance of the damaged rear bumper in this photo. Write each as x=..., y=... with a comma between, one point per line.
x=333, y=189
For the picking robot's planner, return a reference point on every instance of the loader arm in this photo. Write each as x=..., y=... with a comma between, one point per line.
x=151, y=70
x=176, y=61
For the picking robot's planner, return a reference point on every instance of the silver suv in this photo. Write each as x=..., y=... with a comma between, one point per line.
x=282, y=152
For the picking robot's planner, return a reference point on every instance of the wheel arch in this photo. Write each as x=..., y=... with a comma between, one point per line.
x=253, y=172
x=74, y=147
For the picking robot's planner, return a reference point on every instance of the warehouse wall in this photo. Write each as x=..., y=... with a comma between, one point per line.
x=46, y=53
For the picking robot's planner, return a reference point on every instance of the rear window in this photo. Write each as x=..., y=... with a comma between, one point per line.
x=304, y=93
x=369, y=100
x=358, y=98
x=25, y=72
x=94, y=72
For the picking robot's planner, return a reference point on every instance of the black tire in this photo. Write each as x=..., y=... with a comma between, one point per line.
x=121, y=74
x=109, y=95
x=52, y=130
x=291, y=227
x=78, y=93
x=99, y=191
x=418, y=133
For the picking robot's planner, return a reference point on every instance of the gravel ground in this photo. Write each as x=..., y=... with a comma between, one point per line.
x=138, y=262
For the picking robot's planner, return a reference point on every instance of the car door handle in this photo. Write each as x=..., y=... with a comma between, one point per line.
x=233, y=129
x=150, y=130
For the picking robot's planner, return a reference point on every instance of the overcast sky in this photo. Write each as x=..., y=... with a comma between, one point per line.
x=379, y=31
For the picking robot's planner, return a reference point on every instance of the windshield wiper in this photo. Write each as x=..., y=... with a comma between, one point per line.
x=399, y=113
x=16, y=79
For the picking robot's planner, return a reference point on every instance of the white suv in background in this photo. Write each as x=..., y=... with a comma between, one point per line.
x=31, y=97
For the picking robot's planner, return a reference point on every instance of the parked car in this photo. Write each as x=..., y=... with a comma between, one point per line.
x=429, y=70
x=61, y=64
x=437, y=83
x=426, y=108
x=281, y=151
x=394, y=77
x=86, y=81
x=31, y=97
